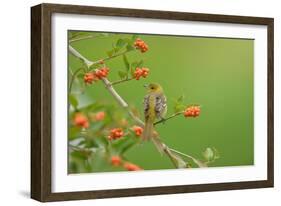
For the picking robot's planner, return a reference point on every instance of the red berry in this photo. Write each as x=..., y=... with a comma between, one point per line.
x=138, y=130
x=192, y=111
x=141, y=45
x=141, y=72
x=80, y=120
x=90, y=77
x=102, y=73
x=116, y=133
x=131, y=167
x=116, y=160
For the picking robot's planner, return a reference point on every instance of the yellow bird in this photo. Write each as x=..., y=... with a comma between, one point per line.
x=155, y=107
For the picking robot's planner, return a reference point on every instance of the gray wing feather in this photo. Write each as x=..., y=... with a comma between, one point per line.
x=160, y=106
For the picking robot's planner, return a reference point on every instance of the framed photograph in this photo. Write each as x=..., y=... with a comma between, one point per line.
x=130, y=102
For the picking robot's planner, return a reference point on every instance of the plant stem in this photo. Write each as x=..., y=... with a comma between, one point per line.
x=78, y=55
x=113, y=92
x=72, y=78
x=170, y=117
x=120, y=81
x=109, y=58
x=180, y=153
x=82, y=38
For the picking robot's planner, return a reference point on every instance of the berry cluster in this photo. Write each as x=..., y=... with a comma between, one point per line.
x=117, y=161
x=91, y=77
x=141, y=45
x=101, y=73
x=141, y=72
x=80, y=120
x=116, y=133
x=192, y=111
x=138, y=130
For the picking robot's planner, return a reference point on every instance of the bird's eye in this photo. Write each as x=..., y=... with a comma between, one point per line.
x=152, y=87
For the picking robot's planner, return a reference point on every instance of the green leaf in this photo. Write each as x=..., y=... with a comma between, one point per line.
x=115, y=49
x=126, y=62
x=73, y=101
x=137, y=64
x=123, y=144
x=120, y=43
x=178, y=107
x=128, y=41
x=209, y=154
x=132, y=70
x=82, y=154
x=80, y=75
x=122, y=74
x=129, y=47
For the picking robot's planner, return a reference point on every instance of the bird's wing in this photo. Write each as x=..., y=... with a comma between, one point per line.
x=160, y=106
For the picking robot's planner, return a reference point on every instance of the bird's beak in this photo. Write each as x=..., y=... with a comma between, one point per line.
x=145, y=85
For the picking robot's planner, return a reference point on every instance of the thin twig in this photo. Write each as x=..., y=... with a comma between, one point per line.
x=82, y=38
x=170, y=117
x=121, y=81
x=78, y=55
x=109, y=58
x=180, y=153
x=91, y=63
x=73, y=77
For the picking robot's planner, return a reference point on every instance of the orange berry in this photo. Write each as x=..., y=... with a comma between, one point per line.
x=131, y=167
x=138, y=73
x=116, y=133
x=90, y=77
x=80, y=120
x=116, y=160
x=102, y=73
x=192, y=111
x=141, y=72
x=141, y=45
x=138, y=130
x=145, y=72
x=99, y=116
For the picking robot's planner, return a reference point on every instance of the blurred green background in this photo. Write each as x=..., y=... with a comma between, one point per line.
x=216, y=73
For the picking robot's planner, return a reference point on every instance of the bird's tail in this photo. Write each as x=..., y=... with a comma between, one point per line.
x=148, y=130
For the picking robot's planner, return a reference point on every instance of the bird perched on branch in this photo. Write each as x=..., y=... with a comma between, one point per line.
x=155, y=107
